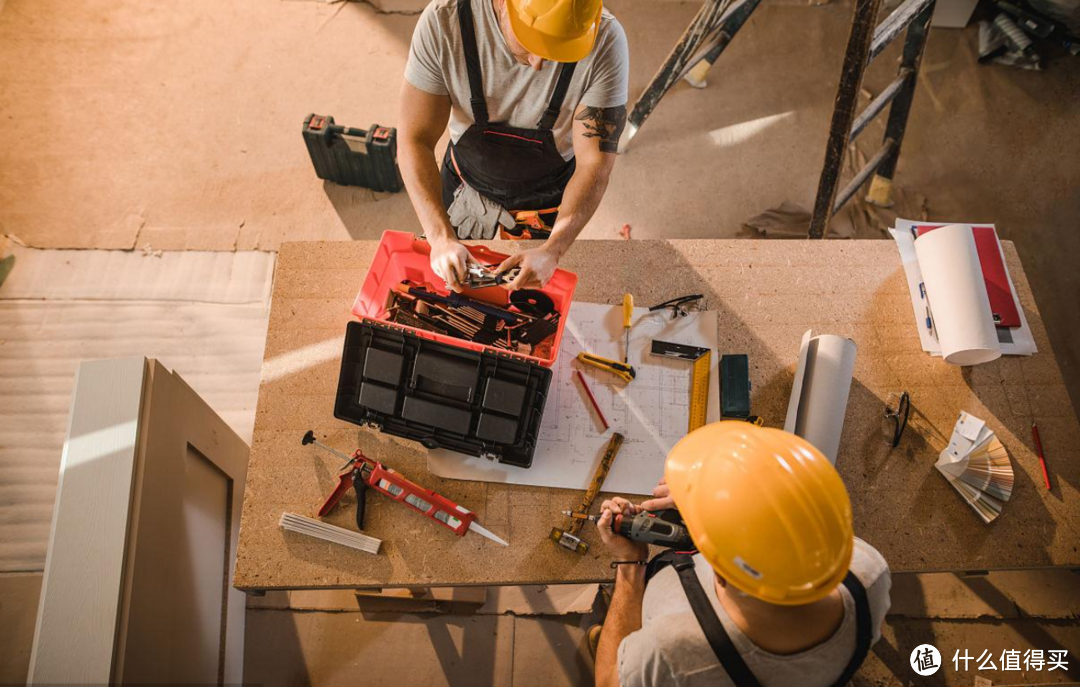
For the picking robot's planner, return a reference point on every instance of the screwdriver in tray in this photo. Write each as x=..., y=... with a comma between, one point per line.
x=361, y=472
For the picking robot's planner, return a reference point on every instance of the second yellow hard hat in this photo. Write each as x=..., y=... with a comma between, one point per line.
x=557, y=30
x=765, y=508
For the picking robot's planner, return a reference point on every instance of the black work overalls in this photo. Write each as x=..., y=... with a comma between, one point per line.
x=725, y=650
x=521, y=169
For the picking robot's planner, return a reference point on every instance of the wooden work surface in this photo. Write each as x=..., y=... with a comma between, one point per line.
x=767, y=293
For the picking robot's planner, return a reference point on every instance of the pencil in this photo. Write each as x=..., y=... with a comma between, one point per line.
x=592, y=399
x=1042, y=458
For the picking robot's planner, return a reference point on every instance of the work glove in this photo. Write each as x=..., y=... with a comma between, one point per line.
x=477, y=217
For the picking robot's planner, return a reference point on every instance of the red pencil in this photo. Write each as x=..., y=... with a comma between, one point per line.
x=595, y=405
x=1042, y=458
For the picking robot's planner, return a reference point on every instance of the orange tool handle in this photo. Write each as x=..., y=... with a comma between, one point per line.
x=346, y=481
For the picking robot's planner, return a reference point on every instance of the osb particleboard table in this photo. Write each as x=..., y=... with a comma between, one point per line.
x=767, y=293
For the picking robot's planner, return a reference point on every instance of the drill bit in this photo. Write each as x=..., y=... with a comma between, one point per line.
x=580, y=516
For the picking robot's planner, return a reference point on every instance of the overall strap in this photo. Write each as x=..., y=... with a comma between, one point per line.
x=721, y=643
x=551, y=114
x=472, y=63
x=863, y=629
x=729, y=656
x=658, y=563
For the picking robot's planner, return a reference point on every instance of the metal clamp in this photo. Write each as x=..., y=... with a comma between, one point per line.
x=479, y=276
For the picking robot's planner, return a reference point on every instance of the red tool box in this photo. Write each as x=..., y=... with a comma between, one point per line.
x=440, y=390
x=402, y=256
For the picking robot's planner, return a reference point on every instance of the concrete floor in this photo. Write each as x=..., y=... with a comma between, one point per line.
x=177, y=127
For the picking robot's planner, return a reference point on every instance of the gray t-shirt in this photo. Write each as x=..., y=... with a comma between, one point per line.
x=516, y=95
x=671, y=649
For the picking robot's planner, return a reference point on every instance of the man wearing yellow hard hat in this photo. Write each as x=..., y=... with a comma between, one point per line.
x=535, y=94
x=780, y=591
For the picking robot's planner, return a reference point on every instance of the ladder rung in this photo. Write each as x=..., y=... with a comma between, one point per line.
x=878, y=104
x=864, y=174
x=896, y=22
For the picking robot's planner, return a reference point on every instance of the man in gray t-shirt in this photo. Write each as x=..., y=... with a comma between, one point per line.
x=535, y=94
x=781, y=592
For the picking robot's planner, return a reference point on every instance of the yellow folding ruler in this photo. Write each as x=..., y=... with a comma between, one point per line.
x=699, y=376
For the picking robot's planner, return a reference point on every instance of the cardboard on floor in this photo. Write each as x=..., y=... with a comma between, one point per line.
x=204, y=314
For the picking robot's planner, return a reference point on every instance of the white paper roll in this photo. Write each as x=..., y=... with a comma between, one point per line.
x=820, y=391
x=957, y=294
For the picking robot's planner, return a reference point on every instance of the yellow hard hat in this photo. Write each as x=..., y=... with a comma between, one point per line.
x=765, y=508
x=557, y=30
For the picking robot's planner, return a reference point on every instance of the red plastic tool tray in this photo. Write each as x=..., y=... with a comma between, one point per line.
x=401, y=256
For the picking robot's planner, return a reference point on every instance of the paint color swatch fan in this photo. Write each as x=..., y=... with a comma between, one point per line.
x=978, y=466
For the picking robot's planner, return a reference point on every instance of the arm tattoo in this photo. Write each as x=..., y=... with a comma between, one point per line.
x=605, y=123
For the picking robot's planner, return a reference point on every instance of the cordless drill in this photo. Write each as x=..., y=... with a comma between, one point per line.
x=659, y=528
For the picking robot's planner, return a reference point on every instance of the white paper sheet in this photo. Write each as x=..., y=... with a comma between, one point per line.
x=819, y=393
x=957, y=293
x=652, y=412
x=1011, y=341
x=905, y=243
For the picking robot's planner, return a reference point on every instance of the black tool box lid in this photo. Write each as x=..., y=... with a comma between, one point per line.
x=479, y=403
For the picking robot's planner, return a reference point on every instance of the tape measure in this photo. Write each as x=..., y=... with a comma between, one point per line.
x=699, y=376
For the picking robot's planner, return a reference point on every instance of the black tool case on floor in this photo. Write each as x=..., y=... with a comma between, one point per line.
x=353, y=157
x=475, y=402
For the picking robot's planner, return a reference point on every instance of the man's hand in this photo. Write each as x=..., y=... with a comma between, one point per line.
x=449, y=260
x=661, y=498
x=621, y=548
x=537, y=266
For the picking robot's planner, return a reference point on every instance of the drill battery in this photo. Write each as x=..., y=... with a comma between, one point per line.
x=353, y=157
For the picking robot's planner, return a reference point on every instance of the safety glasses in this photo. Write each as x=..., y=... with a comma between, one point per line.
x=682, y=306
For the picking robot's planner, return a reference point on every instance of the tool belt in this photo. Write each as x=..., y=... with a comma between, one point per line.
x=530, y=224
x=720, y=641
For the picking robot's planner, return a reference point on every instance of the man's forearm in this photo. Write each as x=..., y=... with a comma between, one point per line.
x=623, y=618
x=580, y=199
x=424, y=184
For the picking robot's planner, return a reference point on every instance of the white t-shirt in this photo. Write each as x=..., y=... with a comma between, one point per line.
x=671, y=648
x=516, y=95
